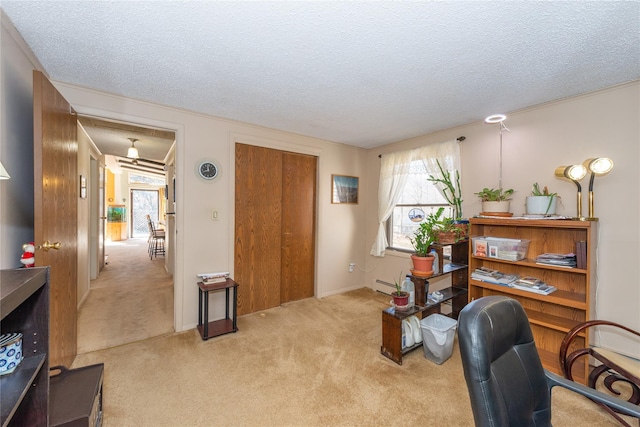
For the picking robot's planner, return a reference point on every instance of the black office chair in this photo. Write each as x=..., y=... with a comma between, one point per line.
x=507, y=383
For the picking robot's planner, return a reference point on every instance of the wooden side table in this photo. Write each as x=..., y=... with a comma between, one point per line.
x=217, y=327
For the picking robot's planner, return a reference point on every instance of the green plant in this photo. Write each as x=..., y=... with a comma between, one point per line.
x=425, y=235
x=535, y=191
x=544, y=192
x=399, y=285
x=449, y=225
x=452, y=192
x=494, y=195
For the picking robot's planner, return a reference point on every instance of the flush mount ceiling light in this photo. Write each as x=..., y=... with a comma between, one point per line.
x=132, y=153
x=3, y=172
x=598, y=166
x=574, y=173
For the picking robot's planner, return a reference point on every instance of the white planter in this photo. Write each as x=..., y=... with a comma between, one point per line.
x=541, y=205
x=494, y=207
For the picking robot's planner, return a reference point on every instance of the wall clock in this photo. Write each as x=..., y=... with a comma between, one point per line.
x=208, y=170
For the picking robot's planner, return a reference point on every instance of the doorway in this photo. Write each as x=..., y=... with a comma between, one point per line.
x=131, y=294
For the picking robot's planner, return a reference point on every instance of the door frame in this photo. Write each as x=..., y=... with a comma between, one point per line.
x=178, y=161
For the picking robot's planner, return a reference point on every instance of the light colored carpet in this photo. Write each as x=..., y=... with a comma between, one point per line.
x=131, y=300
x=308, y=363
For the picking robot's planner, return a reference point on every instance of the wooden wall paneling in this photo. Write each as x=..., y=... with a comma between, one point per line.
x=298, y=226
x=56, y=188
x=258, y=217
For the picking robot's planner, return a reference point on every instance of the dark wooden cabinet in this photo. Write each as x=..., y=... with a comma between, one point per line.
x=24, y=305
x=456, y=295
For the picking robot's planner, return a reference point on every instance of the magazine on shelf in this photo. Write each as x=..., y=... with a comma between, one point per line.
x=558, y=260
x=488, y=275
x=542, y=288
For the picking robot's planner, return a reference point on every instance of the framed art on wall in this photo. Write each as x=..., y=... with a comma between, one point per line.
x=344, y=189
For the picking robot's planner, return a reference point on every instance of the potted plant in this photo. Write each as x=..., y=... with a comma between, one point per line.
x=400, y=297
x=451, y=190
x=449, y=231
x=495, y=200
x=541, y=202
x=422, y=240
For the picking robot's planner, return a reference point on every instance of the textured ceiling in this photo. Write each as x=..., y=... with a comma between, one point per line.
x=359, y=73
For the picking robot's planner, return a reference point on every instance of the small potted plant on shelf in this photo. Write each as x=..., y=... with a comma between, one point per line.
x=422, y=240
x=541, y=202
x=400, y=297
x=449, y=231
x=495, y=201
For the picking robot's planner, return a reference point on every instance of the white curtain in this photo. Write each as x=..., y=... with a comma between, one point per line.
x=448, y=153
x=394, y=171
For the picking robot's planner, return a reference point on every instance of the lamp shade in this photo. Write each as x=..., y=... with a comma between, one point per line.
x=132, y=153
x=573, y=172
x=3, y=172
x=599, y=166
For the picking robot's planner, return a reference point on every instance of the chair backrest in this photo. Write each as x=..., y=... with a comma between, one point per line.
x=149, y=223
x=502, y=368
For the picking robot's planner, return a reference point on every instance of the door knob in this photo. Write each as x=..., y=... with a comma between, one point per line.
x=46, y=245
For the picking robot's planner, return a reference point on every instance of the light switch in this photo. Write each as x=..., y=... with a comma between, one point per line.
x=214, y=215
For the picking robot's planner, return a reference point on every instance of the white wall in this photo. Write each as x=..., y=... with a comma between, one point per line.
x=600, y=124
x=206, y=245
x=84, y=212
x=16, y=143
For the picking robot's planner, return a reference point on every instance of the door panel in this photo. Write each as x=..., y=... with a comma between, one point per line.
x=298, y=226
x=258, y=217
x=56, y=184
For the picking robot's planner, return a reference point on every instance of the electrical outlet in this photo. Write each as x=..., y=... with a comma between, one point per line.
x=351, y=267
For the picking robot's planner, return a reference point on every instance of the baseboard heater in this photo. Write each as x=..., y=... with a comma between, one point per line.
x=382, y=282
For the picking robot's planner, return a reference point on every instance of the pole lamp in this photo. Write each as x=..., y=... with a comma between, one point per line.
x=598, y=166
x=574, y=173
x=498, y=118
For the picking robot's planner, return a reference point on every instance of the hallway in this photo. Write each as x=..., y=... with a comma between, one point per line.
x=131, y=300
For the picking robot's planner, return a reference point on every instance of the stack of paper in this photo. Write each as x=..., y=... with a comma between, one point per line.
x=558, y=260
x=209, y=278
x=488, y=275
x=532, y=284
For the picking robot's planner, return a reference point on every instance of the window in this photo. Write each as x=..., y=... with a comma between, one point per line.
x=419, y=198
x=410, y=200
x=144, y=179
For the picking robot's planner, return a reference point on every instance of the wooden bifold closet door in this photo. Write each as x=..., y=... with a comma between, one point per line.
x=274, y=227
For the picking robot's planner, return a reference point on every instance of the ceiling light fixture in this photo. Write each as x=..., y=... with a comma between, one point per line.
x=132, y=153
x=498, y=118
x=574, y=173
x=3, y=172
x=598, y=166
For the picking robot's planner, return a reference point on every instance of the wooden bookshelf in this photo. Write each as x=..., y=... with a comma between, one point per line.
x=550, y=316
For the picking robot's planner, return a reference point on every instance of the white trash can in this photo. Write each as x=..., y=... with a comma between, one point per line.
x=438, y=332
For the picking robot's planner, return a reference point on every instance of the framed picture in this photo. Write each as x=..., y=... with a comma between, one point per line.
x=480, y=248
x=493, y=251
x=83, y=187
x=344, y=189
